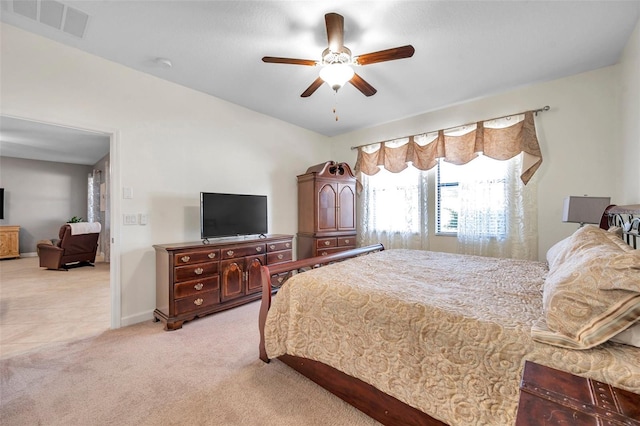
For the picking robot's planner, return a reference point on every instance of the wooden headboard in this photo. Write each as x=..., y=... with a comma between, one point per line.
x=626, y=217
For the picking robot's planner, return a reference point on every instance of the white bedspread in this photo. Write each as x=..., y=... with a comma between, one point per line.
x=445, y=333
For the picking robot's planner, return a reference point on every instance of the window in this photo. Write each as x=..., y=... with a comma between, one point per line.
x=447, y=198
x=393, y=209
x=394, y=201
x=476, y=191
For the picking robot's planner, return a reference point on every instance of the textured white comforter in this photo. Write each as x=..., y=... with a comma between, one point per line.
x=445, y=333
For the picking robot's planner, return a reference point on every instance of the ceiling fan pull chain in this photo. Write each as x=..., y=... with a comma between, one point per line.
x=335, y=104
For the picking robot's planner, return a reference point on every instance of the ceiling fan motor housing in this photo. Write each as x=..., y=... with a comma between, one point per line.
x=342, y=56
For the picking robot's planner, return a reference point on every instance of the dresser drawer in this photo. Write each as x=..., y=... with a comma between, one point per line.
x=279, y=245
x=326, y=251
x=189, y=288
x=243, y=251
x=197, y=301
x=278, y=257
x=191, y=257
x=326, y=242
x=347, y=241
x=192, y=272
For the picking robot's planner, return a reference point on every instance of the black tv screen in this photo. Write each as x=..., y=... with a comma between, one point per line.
x=224, y=215
x=1, y=203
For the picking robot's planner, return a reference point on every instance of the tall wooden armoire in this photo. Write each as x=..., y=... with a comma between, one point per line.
x=326, y=210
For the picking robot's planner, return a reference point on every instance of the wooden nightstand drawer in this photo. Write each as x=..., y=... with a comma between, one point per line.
x=192, y=272
x=243, y=251
x=278, y=257
x=324, y=252
x=197, y=301
x=189, y=288
x=322, y=243
x=554, y=397
x=279, y=245
x=347, y=241
x=191, y=257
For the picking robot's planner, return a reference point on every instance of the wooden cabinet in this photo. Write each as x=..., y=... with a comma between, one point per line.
x=326, y=210
x=554, y=397
x=9, y=242
x=197, y=279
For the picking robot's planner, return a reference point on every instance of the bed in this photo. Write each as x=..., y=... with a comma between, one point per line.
x=418, y=337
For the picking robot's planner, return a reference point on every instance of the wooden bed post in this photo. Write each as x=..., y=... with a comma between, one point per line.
x=264, y=309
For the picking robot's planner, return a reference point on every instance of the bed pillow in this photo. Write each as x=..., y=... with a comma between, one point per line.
x=630, y=336
x=555, y=251
x=591, y=293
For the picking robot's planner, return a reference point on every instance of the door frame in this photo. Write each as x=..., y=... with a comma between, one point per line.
x=115, y=289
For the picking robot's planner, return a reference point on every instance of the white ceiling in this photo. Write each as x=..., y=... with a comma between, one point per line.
x=39, y=141
x=464, y=49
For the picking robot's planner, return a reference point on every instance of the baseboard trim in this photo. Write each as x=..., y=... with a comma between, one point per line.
x=32, y=254
x=134, y=319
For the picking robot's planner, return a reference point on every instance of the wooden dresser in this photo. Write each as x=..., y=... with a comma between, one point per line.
x=9, y=242
x=197, y=279
x=326, y=210
x=554, y=397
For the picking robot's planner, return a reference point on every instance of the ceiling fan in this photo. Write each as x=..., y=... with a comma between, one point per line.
x=337, y=60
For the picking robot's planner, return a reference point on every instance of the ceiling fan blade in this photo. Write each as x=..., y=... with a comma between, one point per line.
x=314, y=86
x=360, y=84
x=275, y=60
x=335, y=31
x=385, y=55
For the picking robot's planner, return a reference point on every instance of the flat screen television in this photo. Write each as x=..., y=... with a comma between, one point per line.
x=225, y=215
x=1, y=203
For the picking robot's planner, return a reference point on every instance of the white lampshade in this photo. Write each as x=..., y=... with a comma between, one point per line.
x=336, y=75
x=584, y=209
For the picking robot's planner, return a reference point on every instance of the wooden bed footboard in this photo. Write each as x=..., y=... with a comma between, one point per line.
x=371, y=401
x=275, y=275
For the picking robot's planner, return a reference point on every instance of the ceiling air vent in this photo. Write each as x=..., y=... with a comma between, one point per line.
x=53, y=14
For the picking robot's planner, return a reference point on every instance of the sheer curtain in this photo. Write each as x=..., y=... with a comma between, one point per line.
x=498, y=213
x=393, y=209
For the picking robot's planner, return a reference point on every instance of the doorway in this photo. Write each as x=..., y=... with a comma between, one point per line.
x=31, y=143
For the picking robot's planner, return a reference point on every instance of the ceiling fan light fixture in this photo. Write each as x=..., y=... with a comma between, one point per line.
x=336, y=75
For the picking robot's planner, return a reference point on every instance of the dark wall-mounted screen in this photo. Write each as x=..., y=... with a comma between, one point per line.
x=1, y=203
x=223, y=215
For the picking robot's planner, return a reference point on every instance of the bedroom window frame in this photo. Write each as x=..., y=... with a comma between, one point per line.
x=439, y=203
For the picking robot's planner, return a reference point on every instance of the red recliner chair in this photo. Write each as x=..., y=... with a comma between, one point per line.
x=77, y=247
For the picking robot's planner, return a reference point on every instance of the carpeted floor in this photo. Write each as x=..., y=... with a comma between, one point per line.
x=207, y=373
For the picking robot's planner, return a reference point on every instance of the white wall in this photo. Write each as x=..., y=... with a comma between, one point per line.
x=171, y=143
x=579, y=138
x=40, y=196
x=630, y=117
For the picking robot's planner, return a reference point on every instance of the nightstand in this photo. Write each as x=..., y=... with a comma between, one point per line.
x=553, y=397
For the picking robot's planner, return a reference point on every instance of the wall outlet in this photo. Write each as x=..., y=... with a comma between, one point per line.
x=143, y=219
x=129, y=219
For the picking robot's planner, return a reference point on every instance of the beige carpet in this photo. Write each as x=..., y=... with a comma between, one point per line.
x=207, y=373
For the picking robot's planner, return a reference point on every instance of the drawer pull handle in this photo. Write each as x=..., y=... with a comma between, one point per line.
x=272, y=246
x=288, y=245
x=198, y=286
x=324, y=253
x=198, y=302
x=230, y=253
x=326, y=243
x=346, y=241
x=280, y=256
x=258, y=249
x=185, y=259
x=198, y=271
x=212, y=255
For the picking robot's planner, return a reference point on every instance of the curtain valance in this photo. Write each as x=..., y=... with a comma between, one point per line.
x=500, y=139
